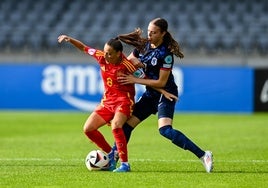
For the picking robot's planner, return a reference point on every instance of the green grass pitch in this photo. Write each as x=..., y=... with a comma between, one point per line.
x=47, y=149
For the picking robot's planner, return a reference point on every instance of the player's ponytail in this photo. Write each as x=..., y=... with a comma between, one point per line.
x=134, y=39
x=173, y=45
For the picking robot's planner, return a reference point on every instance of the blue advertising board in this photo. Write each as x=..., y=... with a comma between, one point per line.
x=79, y=87
x=220, y=89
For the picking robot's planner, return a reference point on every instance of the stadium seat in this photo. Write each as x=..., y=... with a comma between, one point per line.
x=196, y=23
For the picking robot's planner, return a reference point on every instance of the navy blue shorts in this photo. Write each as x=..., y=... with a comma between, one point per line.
x=149, y=104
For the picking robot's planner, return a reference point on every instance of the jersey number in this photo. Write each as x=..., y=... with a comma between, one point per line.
x=109, y=82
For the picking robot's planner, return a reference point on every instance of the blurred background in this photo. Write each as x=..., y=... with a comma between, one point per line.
x=229, y=32
x=211, y=32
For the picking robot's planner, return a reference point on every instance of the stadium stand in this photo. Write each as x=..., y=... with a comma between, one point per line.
x=210, y=25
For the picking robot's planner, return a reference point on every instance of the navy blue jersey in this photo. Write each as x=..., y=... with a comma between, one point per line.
x=152, y=101
x=156, y=59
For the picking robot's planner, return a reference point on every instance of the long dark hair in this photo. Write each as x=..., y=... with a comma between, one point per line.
x=135, y=38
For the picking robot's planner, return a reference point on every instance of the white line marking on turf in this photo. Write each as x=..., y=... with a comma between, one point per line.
x=31, y=159
x=139, y=160
x=226, y=161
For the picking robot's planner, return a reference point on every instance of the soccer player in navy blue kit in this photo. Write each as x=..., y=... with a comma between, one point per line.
x=155, y=56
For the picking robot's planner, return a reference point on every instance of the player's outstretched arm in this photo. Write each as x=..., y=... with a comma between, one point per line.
x=78, y=44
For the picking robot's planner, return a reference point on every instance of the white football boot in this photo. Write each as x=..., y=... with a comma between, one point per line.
x=207, y=161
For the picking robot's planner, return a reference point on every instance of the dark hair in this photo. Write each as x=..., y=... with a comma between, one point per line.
x=161, y=23
x=172, y=44
x=135, y=38
x=115, y=44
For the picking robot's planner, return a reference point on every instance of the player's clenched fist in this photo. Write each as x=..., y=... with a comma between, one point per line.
x=63, y=37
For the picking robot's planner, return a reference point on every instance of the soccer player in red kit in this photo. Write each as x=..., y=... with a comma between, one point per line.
x=117, y=102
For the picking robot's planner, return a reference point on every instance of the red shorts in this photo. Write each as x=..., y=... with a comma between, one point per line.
x=109, y=107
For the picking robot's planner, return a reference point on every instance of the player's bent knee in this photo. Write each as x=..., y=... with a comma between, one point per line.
x=87, y=128
x=166, y=131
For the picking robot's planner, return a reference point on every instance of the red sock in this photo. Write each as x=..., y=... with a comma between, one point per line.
x=96, y=137
x=121, y=144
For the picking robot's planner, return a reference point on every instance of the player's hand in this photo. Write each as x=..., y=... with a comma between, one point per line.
x=63, y=37
x=170, y=96
x=126, y=79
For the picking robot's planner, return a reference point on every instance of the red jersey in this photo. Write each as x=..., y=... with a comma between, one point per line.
x=114, y=93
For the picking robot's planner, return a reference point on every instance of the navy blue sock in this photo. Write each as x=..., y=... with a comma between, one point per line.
x=180, y=140
x=127, y=131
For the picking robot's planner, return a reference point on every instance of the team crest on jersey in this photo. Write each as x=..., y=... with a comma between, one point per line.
x=168, y=59
x=154, y=61
x=91, y=51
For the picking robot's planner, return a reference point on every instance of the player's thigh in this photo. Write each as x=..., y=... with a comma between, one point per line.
x=93, y=122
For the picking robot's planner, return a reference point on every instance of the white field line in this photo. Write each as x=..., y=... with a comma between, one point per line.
x=139, y=160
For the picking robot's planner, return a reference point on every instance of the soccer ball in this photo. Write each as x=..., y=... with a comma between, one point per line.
x=97, y=160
